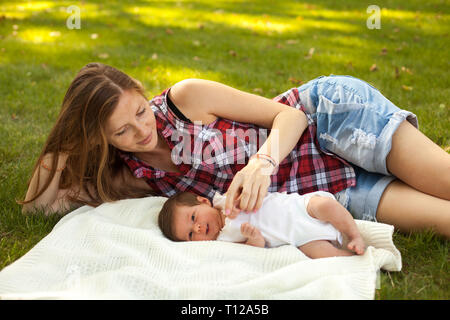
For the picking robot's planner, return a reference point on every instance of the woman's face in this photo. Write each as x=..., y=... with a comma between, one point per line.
x=132, y=125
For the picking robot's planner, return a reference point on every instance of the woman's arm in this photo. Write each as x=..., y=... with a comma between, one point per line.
x=52, y=199
x=204, y=100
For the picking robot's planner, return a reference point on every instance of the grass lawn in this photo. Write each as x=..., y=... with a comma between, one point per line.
x=263, y=47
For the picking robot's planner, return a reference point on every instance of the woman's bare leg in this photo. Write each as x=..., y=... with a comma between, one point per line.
x=419, y=162
x=323, y=249
x=411, y=210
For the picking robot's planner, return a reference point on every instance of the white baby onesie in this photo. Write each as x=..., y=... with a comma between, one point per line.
x=282, y=219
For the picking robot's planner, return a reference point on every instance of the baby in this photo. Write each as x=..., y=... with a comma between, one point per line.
x=313, y=222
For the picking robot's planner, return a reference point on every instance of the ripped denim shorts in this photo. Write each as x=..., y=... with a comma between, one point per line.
x=356, y=122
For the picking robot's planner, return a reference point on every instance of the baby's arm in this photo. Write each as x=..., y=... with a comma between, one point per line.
x=254, y=236
x=330, y=210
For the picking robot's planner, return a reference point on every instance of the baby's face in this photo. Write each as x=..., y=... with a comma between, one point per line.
x=198, y=223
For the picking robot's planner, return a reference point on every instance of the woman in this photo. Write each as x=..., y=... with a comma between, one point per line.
x=334, y=133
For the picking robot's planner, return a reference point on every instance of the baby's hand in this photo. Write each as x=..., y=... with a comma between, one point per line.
x=249, y=231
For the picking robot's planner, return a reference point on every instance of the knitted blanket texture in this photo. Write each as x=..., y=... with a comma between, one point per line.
x=116, y=251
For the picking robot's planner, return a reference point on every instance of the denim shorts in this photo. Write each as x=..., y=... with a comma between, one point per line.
x=356, y=122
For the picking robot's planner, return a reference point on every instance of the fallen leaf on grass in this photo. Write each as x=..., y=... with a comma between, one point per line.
x=397, y=73
x=402, y=46
x=310, y=53
x=310, y=6
x=232, y=53
x=373, y=68
x=406, y=88
x=383, y=51
x=296, y=81
x=4, y=234
x=404, y=69
x=103, y=55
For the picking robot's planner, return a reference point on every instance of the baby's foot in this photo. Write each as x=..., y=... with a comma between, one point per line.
x=357, y=245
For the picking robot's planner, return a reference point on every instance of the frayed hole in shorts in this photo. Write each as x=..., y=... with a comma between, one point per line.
x=366, y=140
x=327, y=137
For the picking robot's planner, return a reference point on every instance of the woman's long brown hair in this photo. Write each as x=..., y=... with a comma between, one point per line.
x=79, y=131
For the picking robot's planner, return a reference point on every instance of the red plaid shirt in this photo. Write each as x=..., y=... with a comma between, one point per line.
x=209, y=156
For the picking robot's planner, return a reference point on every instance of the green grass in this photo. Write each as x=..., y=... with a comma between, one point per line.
x=256, y=46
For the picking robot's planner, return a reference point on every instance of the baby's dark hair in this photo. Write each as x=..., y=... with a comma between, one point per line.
x=165, y=218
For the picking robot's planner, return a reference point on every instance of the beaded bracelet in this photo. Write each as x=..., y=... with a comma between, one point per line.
x=49, y=169
x=265, y=157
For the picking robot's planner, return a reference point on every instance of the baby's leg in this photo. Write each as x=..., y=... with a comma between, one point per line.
x=322, y=249
x=330, y=210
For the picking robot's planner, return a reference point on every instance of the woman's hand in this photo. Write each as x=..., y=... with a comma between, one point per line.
x=52, y=199
x=250, y=186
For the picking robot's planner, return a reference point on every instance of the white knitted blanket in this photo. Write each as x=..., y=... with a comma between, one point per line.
x=116, y=251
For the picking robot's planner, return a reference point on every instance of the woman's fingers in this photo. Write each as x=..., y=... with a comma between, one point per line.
x=258, y=191
x=262, y=192
x=253, y=195
x=251, y=185
x=233, y=192
x=247, y=193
